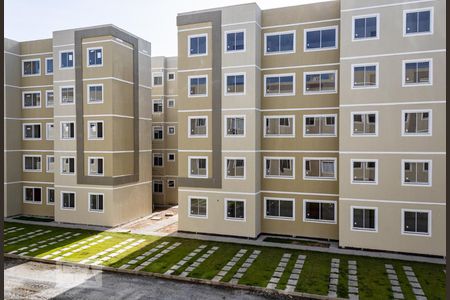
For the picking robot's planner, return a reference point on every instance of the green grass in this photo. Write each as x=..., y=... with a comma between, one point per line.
x=314, y=278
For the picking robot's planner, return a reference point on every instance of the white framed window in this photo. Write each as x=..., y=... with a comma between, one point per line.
x=157, y=78
x=31, y=131
x=417, y=122
x=171, y=76
x=234, y=84
x=234, y=126
x=31, y=99
x=320, y=82
x=68, y=200
x=49, y=99
x=198, y=207
x=279, y=167
x=365, y=76
x=276, y=85
x=95, y=130
x=198, y=86
x=364, y=123
x=198, y=126
x=32, y=163
x=364, y=171
x=50, y=196
x=235, y=209
x=158, y=106
x=158, y=160
x=320, y=39
x=171, y=103
x=31, y=67
x=366, y=27
x=319, y=168
x=158, y=186
x=418, y=21
x=319, y=211
x=49, y=66
x=171, y=130
x=279, y=208
x=171, y=156
x=50, y=162
x=95, y=93
x=67, y=130
x=94, y=57
x=234, y=41
x=67, y=165
x=198, y=166
x=416, y=222
x=279, y=42
x=67, y=95
x=96, y=203
x=158, y=133
x=66, y=59
x=96, y=166
x=32, y=195
x=235, y=168
x=417, y=72
x=50, y=131
x=320, y=125
x=364, y=218
x=197, y=45
x=171, y=183
x=416, y=172
x=279, y=126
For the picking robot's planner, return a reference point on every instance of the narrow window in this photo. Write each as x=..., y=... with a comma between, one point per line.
x=49, y=99
x=67, y=130
x=50, y=131
x=158, y=133
x=158, y=160
x=50, y=196
x=48, y=66
x=157, y=186
x=158, y=106
x=157, y=79
x=50, y=163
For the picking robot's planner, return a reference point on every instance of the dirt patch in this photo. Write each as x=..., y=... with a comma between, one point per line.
x=158, y=217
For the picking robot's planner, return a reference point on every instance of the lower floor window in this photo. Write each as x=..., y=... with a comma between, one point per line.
x=235, y=209
x=320, y=211
x=68, y=200
x=416, y=222
x=95, y=166
x=279, y=208
x=364, y=219
x=198, y=207
x=32, y=194
x=50, y=196
x=157, y=186
x=96, y=202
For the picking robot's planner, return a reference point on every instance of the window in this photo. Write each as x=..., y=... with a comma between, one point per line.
x=319, y=168
x=50, y=131
x=198, y=127
x=235, y=84
x=50, y=196
x=320, y=38
x=319, y=211
x=279, y=208
x=279, y=42
x=416, y=172
x=235, y=209
x=67, y=165
x=95, y=130
x=158, y=160
x=170, y=76
x=49, y=99
x=67, y=95
x=235, y=168
x=364, y=124
x=279, y=85
x=416, y=122
x=324, y=82
x=158, y=133
x=170, y=103
x=198, y=86
x=171, y=156
x=32, y=163
x=66, y=59
x=171, y=184
x=48, y=65
x=31, y=131
x=319, y=125
x=157, y=186
x=198, y=166
x=171, y=130
x=235, y=126
x=365, y=76
x=68, y=200
x=31, y=99
x=364, y=171
x=96, y=166
x=95, y=93
x=365, y=27
x=283, y=167
x=96, y=202
x=418, y=21
x=417, y=72
x=95, y=57
x=279, y=126
x=67, y=130
x=50, y=163
x=32, y=195
x=31, y=67
x=417, y=222
x=197, y=45
x=157, y=78
x=198, y=207
x=158, y=106
x=235, y=41
x=364, y=218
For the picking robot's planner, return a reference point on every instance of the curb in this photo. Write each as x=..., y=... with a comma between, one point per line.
x=278, y=294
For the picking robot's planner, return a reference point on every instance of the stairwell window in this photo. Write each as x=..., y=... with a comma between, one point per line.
x=319, y=211
x=66, y=59
x=198, y=166
x=67, y=165
x=317, y=39
x=50, y=131
x=364, y=124
x=198, y=207
x=31, y=131
x=417, y=72
x=48, y=65
x=279, y=85
x=198, y=86
x=319, y=168
x=279, y=167
x=365, y=76
x=418, y=21
x=324, y=82
x=279, y=126
x=416, y=122
x=366, y=27
x=235, y=126
x=416, y=172
x=319, y=125
x=67, y=130
x=279, y=42
x=416, y=222
x=279, y=208
x=95, y=93
x=67, y=95
x=364, y=218
x=95, y=57
x=235, y=168
x=32, y=195
x=198, y=45
x=198, y=127
x=96, y=166
x=32, y=163
x=364, y=171
x=31, y=67
x=31, y=99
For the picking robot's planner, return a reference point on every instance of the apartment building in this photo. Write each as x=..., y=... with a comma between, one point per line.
x=77, y=118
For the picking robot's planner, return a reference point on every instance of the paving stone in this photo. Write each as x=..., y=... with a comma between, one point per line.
x=396, y=289
x=390, y=271
x=302, y=257
x=407, y=268
x=392, y=277
x=352, y=272
x=394, y=282
x=292, y=282
x=234, y=281
x=277, y=274
x=133, y=261
x=222, y=273
x=284, y=260
x=335, y=260
x=332, y=294
x=226, y=268
x=246, y=265
x=289, y=288
x=412, y=278
x=274, y=280
x=296, y=271
x=271, y=286
x=294, y=276
x=335, y=265
x=238, y=275
x=421, y=298
x=398, y=296
x=332, y=288
x=418, y=292
x=353, y=283
x=335, y=270
x=282, y=264
x=333, y=275
x=257, y=252
x=353, y=297
x=242, y=269
x=415, y=285
x=387, y=266
x=352, y=262
x=334, y=281
x=410, y=273
x=353, y=290
x=279, y=269
x=299, y=265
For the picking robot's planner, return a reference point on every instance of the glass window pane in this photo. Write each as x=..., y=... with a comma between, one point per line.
x=272, y=207
x=358, y=218
x=424, y=21
x=202, y=45
x=313, y=39
x=371, y=27
x=231, y=41
x=359, y=28
x=410, y=72
x=422, y=222
x=240, y=41
x=327, y=211
x=286, y=209
x=328, y=38
x=369, y=218
x=273, y=43
x=287, y=42
x=423, y=72
x=312, y=210
x=411, y=22
x=410, y=221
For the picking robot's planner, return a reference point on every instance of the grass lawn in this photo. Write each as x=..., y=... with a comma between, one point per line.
x=314, y=278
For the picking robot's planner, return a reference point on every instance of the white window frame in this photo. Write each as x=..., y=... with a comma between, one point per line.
x=226, y=218
x=306, y=220
x=89, y=127
x=279, y=158
x=279, y=135
x=89, y=93
x=377, y=37
x=279, y=218
x=364, y=160
x=31, y=171
x=31, y=187
x=153, y=108
x=89, y=165
x=430, y=72
x=225, y=36
x=352, y=127
x=61, y=130
x=189, y=44
x=225, y=77
x=174, y=76
x=47, y=193
x=60, y=60
x=306, y=93
x=430, y=122
x=430, y=172
x=320, y=135
x=406, y=11
x=189, y=86
x=168, y=156
x=189, y=127
x=403, y=232
x=31, y=139
x=244, y=177
x=61, y=166
x=280, y=94
x=46, y=98
x=157, y=74
x=28, y=60
x=171, y=101
x=375, y=230
x=174, y=184
x=47, y=125
x=46, y=63
x=189, y=207
x=74, y=201
x=153, y=132
x=160, y=154
x=155, y=182
x=225, y=132
x=174, y=130
x=294, y=48
x=47, y=164
x=60, y=94
x=320, y=178
x=336, y=37
x=89, y=203
x=31, y=92
x=189, y=167
x=87, y=57
x=377, y=76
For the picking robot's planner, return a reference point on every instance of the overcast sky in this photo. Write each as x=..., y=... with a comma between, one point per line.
x=154, y=21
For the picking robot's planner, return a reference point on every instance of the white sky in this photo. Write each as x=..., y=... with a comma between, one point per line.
x=154, y=21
